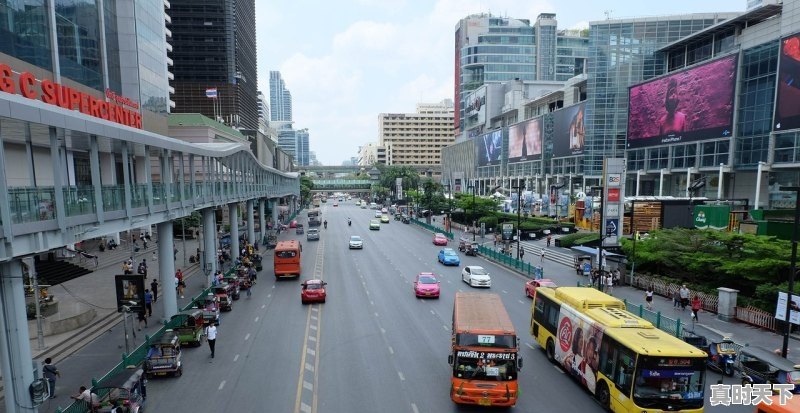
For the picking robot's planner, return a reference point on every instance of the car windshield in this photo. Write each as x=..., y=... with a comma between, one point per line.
x=439, y=235
x=313, y=286
x=427, y=279
x=374, y=222
x=449, y=252
x=478, y=271
x=355, y=238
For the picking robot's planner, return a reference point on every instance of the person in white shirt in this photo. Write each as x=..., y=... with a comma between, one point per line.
x=211, y=336
x=610, y=285
x=87, y=396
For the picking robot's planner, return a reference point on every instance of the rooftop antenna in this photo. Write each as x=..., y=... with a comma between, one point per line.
x=608, y=14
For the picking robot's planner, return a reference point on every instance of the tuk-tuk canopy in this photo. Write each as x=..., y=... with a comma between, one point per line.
x=169, y=338
x=768, y=356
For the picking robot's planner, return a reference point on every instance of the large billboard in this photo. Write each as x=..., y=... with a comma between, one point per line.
x=787, y=109
x=525, y=140
x=569, y=130
x=489, y=148
x=689, y=105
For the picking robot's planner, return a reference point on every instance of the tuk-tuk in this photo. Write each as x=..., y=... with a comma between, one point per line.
x=257, y=262
x=299, y=229
x=233, y=282
x=223, y=292
x=188, y=325
x=125, y=389
x=271, y=240
x=405, y=219
x=471, y=249
x=164, y=356
x=210, y=307
x=462, y=244
x=758, y=365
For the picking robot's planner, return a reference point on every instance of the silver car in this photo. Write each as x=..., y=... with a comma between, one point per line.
x=312, y=234
x=356, y=242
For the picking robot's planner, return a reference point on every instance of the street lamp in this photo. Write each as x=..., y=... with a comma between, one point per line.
x=520, y=186
x=472, y=211
x=787, y=328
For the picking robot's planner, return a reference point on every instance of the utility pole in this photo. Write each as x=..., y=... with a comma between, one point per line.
x=787, y=328
x=472, y=212
x=520, y=186
x=602, y=238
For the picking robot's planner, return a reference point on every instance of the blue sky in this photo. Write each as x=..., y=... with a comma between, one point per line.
x=346, y=61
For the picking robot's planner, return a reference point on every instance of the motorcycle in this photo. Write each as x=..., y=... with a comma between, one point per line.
x=349, y=223
x=325, y=224
x=722, y=356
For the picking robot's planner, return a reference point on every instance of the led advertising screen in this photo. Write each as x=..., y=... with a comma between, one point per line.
x=489, y=148
x=569, y=130
x=787, y=109
x=525, y=140
x=690, y=105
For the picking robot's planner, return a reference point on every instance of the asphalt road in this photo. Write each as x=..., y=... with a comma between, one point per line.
x=373, y=347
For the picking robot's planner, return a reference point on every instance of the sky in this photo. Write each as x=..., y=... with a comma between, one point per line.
x=347, y=61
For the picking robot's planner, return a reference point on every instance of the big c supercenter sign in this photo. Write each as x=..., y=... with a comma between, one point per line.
x=56, y=94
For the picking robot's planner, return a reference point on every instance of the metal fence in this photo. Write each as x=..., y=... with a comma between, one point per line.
x=531, y=271
x=432, y=228
x=669, y=290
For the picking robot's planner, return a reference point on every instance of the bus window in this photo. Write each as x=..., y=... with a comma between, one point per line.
x=286, y=254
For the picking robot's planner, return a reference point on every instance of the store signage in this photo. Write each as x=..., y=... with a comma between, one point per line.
x=56, y=94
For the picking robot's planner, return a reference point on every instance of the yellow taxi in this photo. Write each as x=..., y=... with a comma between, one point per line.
x=385, y=218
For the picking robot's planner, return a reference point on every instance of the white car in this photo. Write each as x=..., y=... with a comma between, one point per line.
x=356, y=242
x=476, y=276
x=378, y=214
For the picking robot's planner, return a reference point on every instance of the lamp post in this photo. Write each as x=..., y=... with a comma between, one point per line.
x=787, y=328
x=520, y=186
x=694, y=186
x=472, y=211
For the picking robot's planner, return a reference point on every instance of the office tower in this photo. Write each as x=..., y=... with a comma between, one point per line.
x=280, y=99
x=215, y=54
x=263, y=112
x=417, y=138
x=302, y=147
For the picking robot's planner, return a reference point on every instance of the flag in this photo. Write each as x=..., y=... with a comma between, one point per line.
x=211, y=93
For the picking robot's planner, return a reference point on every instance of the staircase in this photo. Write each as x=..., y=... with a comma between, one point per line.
x=56, y=272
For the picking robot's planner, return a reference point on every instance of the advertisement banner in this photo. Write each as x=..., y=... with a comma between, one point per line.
x=525, y=140
x=787, y=108
x=794, y=309
x=475, y=106
x=613, y=195
x=130, y=292
x=489, y=148
x=685, y=106
x=569, y=130
x=578, y=347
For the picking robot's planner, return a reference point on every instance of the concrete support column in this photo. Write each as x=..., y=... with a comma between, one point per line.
x=661, y=182
x=251, y=224
x=166, y=270
x=233, y=218
x=15, y=345
x=758, y=184
x=274, y=208
x=209, y=244
x=262, y=222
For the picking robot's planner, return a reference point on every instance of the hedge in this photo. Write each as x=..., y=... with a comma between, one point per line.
x=578, y=238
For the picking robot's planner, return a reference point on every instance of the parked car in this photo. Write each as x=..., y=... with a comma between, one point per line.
x=312, y=234
x=448, y=256
x=356, y=242
x=439, y=239
x=426, y=285
x=532, y=285
x=313, y=291
x=476, y=276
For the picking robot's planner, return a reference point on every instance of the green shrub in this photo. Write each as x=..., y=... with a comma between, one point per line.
x=578, y=238
x=490, y=222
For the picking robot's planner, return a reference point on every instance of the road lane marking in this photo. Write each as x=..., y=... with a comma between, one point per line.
x=383, y=331
x=414, y=408
x=236, y=357
x=445, y=327
x=529, y=345
x=371, y=302
x=310, y=367
x=299, y=393
x=504, y=291
x=247, y=337
x=558, y=369
x=256, y=320
x=314, y=318
x=312, y=338
x=391, y=350
x=311, y=352
x=221, y=385
x=307, y=385
x=273, y=286
x=376, y=314
x=314, y=309
x=263, y=305
x=433, y=312
x=305, y=408
x=269, y=295
x=402, y=378
x=313, y=327
x=521, y=302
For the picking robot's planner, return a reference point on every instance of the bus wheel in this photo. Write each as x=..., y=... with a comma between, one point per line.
x=602, y=395
x=551, y=351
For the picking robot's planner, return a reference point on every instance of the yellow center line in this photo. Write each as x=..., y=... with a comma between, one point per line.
x=299, y=394
x=318, y=265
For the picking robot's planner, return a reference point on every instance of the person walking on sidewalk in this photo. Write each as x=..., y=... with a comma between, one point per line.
x=696, y=306
x=181, y=285
x=148, y=302
x=142, y=319
x=542, y=256
x=211, y=336
x=549, y=238
x=154, y=287
x=521, y=253
x=648, y=297
x=684, y=293
x=50, y=372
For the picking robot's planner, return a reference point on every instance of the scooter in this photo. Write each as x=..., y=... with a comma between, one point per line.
x=325, y=224
x=722, y=356
x=349, y=223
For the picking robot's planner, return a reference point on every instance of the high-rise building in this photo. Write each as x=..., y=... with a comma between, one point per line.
x=370, y=154
x=215, y=48
x=417, y=138
x=263, y=112
x=287, y=139
x=302, y=148
x=280, y=99
x=572, y=50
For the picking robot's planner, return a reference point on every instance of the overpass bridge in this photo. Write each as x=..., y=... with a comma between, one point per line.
x=327, y=171
x=343, y=185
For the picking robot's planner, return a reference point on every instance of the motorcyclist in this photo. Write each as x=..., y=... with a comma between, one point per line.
x=325, y=224
x=349, y=223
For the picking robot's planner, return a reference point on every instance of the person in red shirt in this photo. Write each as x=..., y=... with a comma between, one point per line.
x=181, y=285
x=696, y=306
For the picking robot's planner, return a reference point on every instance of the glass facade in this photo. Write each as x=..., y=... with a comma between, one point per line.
x=622, y=53
x=25, y=31
x=78, y=33
x=756, y=101
x=153, y=83
x=112, y=40
x=572, y=50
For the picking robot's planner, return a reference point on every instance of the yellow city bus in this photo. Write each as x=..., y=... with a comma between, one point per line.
x=484, y=353
x=623, y=360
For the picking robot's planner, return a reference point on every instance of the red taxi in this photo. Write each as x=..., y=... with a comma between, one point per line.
x=426, y=285
x=313, y=291
x=532, y=285
x=439, y=239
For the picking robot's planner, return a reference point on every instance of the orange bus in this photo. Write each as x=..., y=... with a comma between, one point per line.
x=485, y=352
x=789, y=405
x=287, y=259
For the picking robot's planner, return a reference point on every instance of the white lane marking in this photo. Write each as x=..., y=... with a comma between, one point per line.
x=311, y=352
x=312, y=338
x=521, y=302
x=402, y=378
x=414, y=408
x=221, y=385
x=313, y=327
x=376, y=314
x=449, y=282
x=391, y=350
x=504, y=291
x=256, y=320
x=313, y=317
x=314, y=309
x=558, y=369
x=307, y=385
x=433, y=312
x=305, y=408
x=263, y=305
x=383, y=331
x=269, y=295
x=236, y=357
x=445, y=327
x=247, y=337
x=371, y=302
x=310, y=367
x=273, y=287
x=529, y=345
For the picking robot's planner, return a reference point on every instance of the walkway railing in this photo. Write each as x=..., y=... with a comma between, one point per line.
x=531, y=271
x=433, y=228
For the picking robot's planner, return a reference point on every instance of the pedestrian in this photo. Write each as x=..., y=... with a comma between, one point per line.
x=549, y=238
x=211, y=336
x=684, y=293
x=603, y=282
x=521, y=254
x=696, y=306
x=154, y=287
x=148, y=302
x=648, y=297
x=610, y=284
x=175, y=253
x=676, y=299
x=155, y=256
x=126, y=268
x=142, y=319
x=542, y=257
x=50, y=372
x=252, y=274
x=180, y=283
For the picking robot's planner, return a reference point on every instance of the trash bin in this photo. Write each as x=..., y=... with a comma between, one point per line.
x=557, y=242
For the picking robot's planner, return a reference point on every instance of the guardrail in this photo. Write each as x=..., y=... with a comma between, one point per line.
x=530, y=271
x=137, y=356
x=432, y=228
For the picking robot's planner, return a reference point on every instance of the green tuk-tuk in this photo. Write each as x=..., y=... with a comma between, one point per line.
x=188, y=326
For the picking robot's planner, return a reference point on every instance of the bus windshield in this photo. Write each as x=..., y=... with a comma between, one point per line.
x=669, y=380
x=486, y=340
x=474, y=365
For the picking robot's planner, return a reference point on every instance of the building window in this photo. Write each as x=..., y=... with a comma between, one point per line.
x=684, y=156
x=658, y=158
x=787, y=148
x=752, y=149
x=757, y=89
x=698, y=51
x=715, y=153
x=635, y=159
x=78, y=32
x=25, y=33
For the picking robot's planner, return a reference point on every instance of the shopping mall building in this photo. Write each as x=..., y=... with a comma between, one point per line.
x=711, y=98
